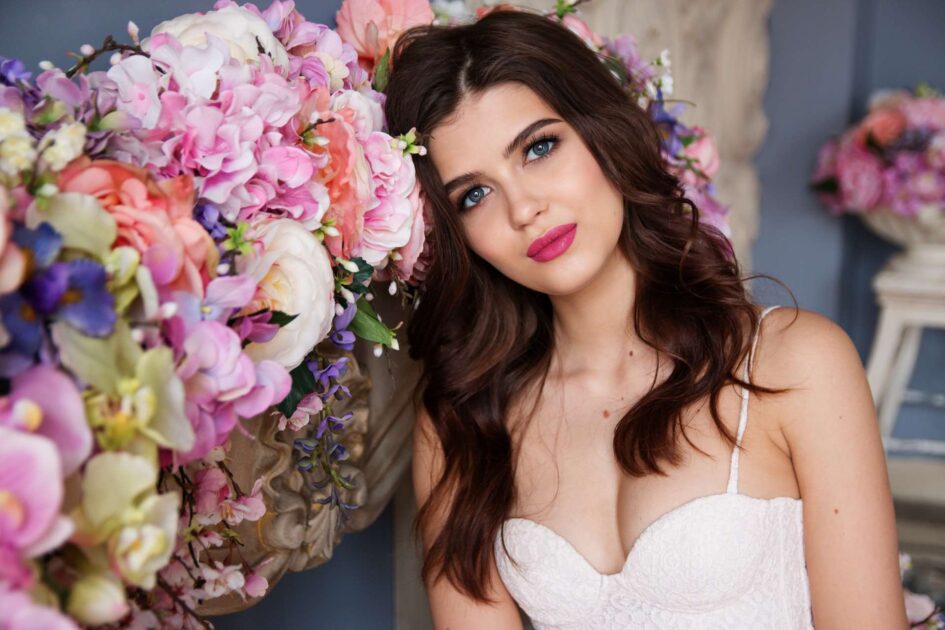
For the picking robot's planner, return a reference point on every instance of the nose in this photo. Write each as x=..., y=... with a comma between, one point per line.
x=526, y=201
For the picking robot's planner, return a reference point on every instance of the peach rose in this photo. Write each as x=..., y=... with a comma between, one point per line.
x=155, y=218
x=371, y=26
x=884, y=125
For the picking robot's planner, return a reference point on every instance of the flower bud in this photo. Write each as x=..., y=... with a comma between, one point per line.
x=97, y=598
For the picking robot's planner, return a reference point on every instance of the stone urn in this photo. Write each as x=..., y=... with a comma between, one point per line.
x=297, y=532
x=922, y=237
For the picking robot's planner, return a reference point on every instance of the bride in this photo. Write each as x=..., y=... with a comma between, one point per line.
x=610, y=433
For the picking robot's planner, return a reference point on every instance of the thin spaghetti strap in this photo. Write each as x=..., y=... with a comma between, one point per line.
x=743, y=416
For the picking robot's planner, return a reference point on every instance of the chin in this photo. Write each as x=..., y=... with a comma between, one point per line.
x=566, y=278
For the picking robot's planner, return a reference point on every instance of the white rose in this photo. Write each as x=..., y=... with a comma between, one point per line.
x=240, y=28
x=294, y=274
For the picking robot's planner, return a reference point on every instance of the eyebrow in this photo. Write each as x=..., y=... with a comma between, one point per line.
x=522, y=136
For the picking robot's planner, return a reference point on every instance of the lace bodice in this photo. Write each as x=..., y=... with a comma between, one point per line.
x=726, y=560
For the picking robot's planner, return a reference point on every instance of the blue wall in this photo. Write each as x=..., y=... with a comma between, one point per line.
x=826, y=59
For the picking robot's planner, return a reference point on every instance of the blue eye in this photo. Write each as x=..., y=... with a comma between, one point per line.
x=474, y=194
x=542, y=147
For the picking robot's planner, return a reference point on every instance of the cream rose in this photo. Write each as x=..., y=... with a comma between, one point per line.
x=294, y=276
x=240, y=28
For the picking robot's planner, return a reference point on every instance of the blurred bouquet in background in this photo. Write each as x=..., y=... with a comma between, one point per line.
x=187, y=241
x=893, y=159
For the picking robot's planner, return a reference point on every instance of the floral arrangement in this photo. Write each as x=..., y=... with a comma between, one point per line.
x=188, y=244
x=893, y=159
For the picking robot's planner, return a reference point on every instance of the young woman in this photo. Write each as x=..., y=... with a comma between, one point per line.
x=584, y=446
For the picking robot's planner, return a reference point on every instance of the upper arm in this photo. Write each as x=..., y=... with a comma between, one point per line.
x=450, y=607
x=829, y=423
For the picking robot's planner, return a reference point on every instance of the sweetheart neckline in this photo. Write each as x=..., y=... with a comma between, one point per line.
x=649, y=528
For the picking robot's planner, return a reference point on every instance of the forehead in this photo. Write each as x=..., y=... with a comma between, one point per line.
x=482, y=126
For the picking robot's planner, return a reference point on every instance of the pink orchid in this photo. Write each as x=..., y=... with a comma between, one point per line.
x=214, y=367
x=30, y=494
x=18, y=611
x=59, y=417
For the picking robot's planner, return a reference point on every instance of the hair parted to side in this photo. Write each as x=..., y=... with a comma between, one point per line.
x=484, y=339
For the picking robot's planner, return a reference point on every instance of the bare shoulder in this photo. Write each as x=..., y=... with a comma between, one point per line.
x=449, y=607
x=829, y=423
x=815, y=359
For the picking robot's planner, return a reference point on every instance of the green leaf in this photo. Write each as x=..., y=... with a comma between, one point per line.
x=281, y=319
x=367, y=326
x=303, y=384
x=82, y=222
x=382, y=72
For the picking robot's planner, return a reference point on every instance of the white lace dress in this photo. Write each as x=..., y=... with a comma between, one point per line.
x=723, y=561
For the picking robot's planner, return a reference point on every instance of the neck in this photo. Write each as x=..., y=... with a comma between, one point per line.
x=594, y=333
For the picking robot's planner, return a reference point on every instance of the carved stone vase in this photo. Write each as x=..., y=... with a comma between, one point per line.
x=298, y=533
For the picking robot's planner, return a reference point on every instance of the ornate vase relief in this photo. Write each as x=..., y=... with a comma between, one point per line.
x=719, y=61
x=297, y=533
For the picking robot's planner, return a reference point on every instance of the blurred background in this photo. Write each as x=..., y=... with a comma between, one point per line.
x=825, y=58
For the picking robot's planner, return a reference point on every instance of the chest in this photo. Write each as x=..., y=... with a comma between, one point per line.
x=568, y=479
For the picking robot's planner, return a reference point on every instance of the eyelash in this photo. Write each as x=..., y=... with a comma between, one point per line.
x=550, y=137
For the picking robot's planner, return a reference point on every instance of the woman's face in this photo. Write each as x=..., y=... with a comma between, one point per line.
x=519, y=176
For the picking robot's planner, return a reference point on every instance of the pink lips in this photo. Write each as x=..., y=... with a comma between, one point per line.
x=552, y=243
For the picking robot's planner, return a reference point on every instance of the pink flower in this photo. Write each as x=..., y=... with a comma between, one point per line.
x=388, y=222
x=137, y=84
x=580, y=28
x=705, y=158
x=926, y=113
x=221, y=579
x=410, y=264
x=31, y=494
x=372, y=26
x=18, y=611
x=212, y=490
x=214, y=367
x=256, y=585
x=248, y=507
x=155, y=218
x=348, y=179
x=59, y=417
x=308, y=406
x=860, y=177
x=935, y=153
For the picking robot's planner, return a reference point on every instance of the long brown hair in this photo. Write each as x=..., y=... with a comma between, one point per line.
x=484, y=339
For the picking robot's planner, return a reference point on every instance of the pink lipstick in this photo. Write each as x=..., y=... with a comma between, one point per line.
x=552, y=243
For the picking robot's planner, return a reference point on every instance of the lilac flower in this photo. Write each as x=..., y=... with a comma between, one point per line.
x=667, y=124
x=340, y=336
x=12, y=71
x=332, y=371
x=333, y=424
x=208, y=215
